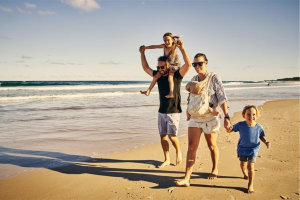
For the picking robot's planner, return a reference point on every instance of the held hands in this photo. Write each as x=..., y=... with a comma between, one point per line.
x=227, y=125
x=179, y=44
x=142, y=49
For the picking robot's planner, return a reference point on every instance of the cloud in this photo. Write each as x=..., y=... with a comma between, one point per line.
x=61, y=63
x=46, y=13
x=3, y=37
x=23, y=11
x=86, y=5
x=109, y=63
x=6, y=9
x=21, y=61
x=249, y=67
x=26, y=57
x=28, y=5
x=26, y=66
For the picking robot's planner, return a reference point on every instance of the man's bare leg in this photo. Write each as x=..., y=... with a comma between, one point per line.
x=244, y=169
x=194, y=138
x=211, y=140
x=165, y=146
x=175, y=141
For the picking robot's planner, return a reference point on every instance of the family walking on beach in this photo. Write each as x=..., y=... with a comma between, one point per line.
x=206, y=93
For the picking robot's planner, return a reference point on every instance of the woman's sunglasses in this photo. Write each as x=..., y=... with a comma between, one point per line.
x=198, y=63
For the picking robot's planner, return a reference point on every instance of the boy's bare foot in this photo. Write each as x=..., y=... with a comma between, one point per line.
x=178, y=158
x=170, y=95
x=182, y=182
x=165, y=163
x=145, y=92
x=246, y=177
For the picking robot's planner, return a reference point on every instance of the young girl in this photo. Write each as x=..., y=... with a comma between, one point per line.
x=248, y=145
x=169, y=46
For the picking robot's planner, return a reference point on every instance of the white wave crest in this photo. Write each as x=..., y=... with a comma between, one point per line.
x=76, y=87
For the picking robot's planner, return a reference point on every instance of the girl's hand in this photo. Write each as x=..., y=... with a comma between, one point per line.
x=179, y=44
x=268, y=144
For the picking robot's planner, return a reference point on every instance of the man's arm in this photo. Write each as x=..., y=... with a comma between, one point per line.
x=145, y=65
x=187, y=61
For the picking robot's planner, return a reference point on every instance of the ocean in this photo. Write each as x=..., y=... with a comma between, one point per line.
x=45, y=124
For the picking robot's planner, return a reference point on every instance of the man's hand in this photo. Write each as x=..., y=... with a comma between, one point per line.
x=142, y=49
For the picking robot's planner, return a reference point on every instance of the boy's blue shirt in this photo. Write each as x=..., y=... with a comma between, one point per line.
x=249, y=143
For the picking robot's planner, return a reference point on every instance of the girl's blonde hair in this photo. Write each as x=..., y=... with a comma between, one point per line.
x=249, y=107
x=171, y=35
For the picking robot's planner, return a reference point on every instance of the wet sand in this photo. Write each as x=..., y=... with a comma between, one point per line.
x=133, y=174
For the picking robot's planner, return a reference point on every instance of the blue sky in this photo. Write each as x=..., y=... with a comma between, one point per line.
x=99, y=40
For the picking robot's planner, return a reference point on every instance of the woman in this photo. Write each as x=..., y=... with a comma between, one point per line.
x=210, y=128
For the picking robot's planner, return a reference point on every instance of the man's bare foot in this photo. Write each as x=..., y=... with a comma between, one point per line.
x=212, y=176
x=170, y=95
x=165, y=163
x=178, y=158
x=182, y=182
x=145, y=92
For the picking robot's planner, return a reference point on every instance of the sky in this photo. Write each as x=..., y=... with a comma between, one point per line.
x=244, y=40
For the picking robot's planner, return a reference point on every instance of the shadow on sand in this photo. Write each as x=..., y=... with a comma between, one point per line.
x=76, y=164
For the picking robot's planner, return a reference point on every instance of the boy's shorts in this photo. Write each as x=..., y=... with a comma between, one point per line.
x=168, y=123
x=247, y=158
x=212, y=126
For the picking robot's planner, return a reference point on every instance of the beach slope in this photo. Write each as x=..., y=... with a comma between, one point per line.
x=133, y=174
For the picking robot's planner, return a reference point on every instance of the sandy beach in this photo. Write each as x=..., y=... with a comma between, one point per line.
x=133, y=174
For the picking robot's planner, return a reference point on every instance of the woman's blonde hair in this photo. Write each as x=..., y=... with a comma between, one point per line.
x=248, y=107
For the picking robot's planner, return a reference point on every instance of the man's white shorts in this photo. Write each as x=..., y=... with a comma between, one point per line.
x=168, y=123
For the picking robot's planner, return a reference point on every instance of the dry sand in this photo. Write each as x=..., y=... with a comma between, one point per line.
x=133, y=174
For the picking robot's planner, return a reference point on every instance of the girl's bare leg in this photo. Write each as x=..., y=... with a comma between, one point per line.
x=193, y=138
x=154, y=80
x=171, y=83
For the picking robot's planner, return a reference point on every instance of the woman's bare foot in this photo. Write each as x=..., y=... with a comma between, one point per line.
x=170, y=95
x=250, y=189
x=145, y=92
x=165, y=163
x=182, y=182
x=178, y=158
x=212, y=176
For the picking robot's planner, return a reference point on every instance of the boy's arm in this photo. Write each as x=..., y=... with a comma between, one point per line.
x=155, y=46
x=264, y=140
x=145, y=65
x=187, y=61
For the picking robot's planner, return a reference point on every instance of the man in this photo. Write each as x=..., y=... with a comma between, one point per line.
x=169, y=109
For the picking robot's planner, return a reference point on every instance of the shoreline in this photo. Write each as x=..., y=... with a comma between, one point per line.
x=132, y=174
x=55, y=158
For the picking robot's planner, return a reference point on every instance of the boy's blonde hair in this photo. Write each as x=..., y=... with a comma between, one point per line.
x=249, y=107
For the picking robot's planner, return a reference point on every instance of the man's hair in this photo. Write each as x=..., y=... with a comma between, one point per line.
x=201, y=55
x=163, y=58
x=249, y=107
